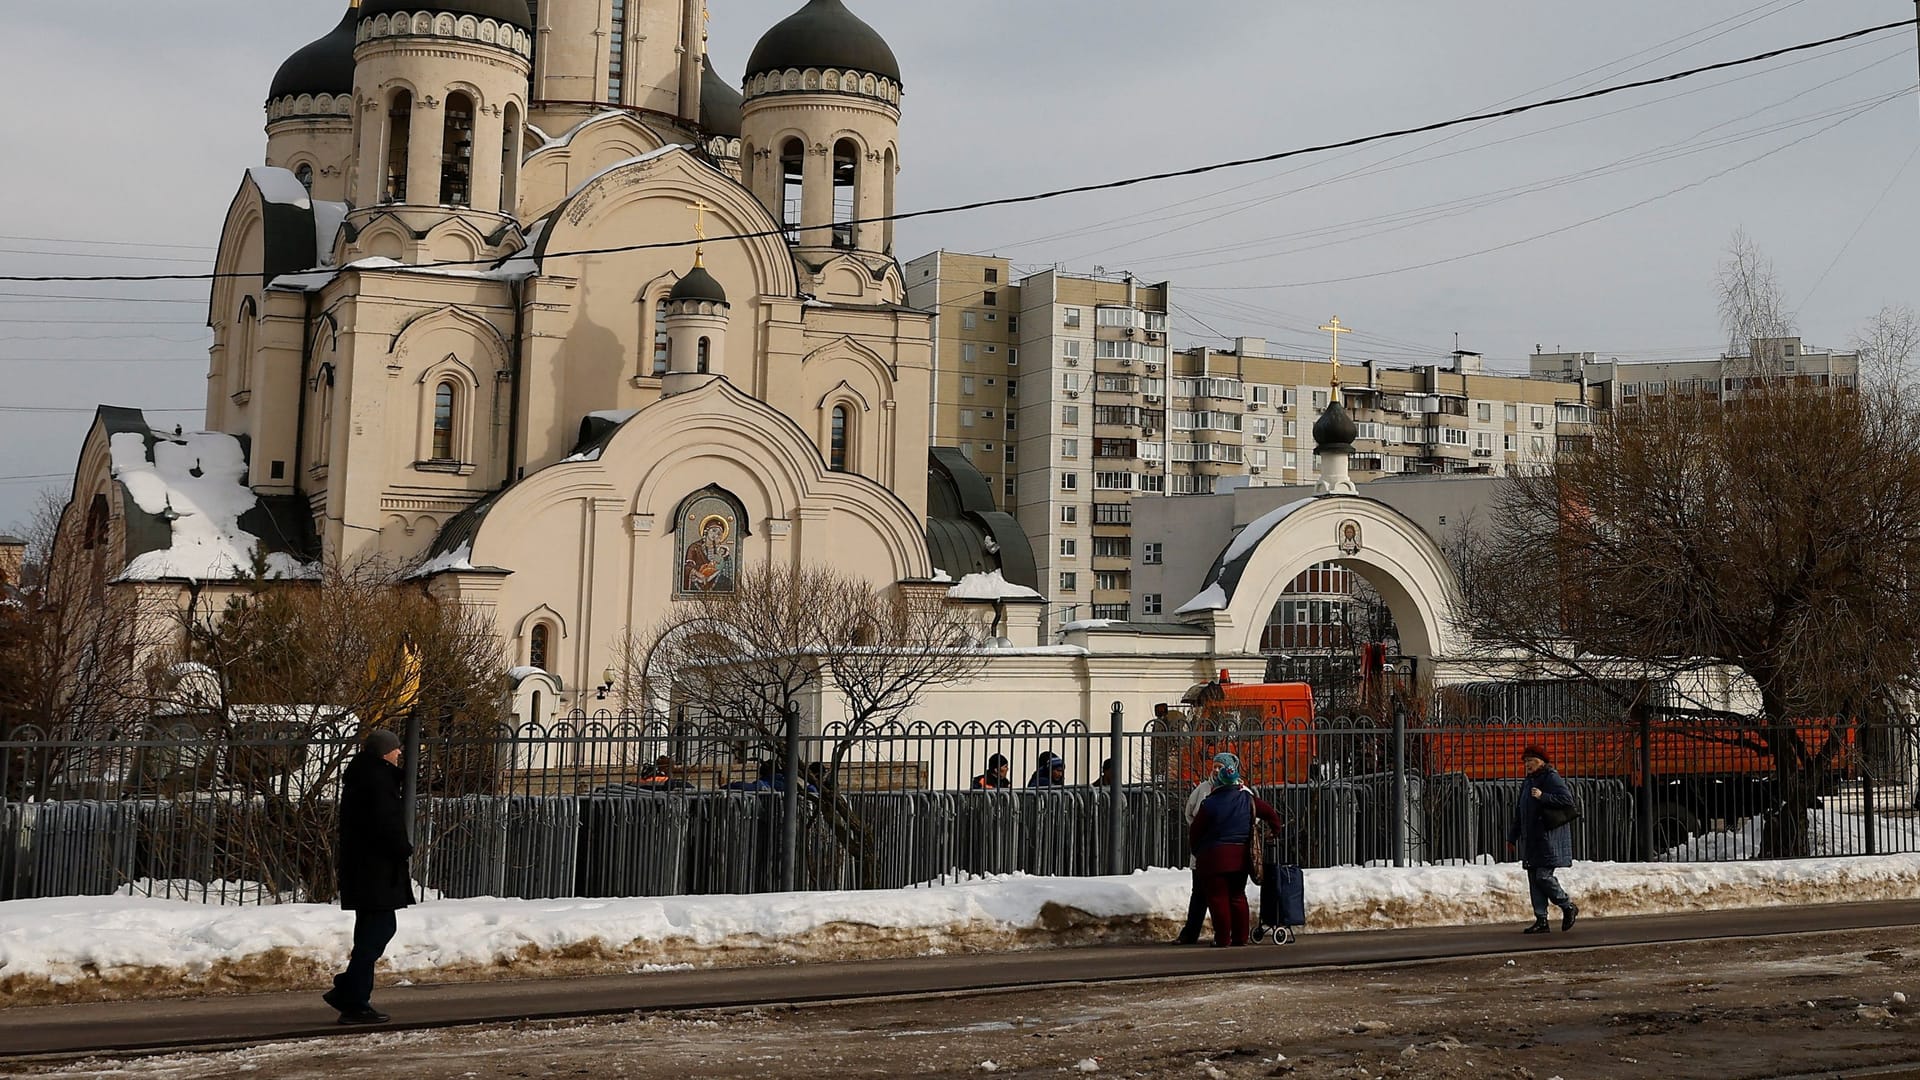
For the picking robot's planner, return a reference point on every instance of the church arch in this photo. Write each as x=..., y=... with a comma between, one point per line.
x=456, y=153
x=399, y=136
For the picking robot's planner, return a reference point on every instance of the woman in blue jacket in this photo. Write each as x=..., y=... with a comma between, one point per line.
x=1218, y=837
x=1543, y=848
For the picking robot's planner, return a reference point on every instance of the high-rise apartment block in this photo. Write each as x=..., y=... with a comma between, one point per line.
x=1768, y=362
x=1064, y=390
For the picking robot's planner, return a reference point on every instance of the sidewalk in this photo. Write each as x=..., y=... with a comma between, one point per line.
x=148, y=1025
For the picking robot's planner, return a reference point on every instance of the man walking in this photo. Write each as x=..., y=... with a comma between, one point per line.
x=1541, y=831
x=374, y=879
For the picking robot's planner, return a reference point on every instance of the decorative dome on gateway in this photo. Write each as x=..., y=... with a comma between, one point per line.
x=698, y=285
x=324, y=66
x=824, y=34
x=511, y=12
x=1335, y=430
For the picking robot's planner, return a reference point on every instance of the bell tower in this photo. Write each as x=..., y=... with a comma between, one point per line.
x=643, y=54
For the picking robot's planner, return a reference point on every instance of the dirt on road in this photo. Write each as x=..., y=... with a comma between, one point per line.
x=1725, y=1009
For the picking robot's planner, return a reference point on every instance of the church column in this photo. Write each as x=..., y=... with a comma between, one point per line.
x=813, y=533
x=779, y=534
x=888, y=458
x=488, y=141
x=870, y=202
x=425, y=138
x=816, y=197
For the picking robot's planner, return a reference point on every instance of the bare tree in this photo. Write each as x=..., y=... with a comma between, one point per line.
x=1773, y=535
x=1886, y=347
x=1752, y=306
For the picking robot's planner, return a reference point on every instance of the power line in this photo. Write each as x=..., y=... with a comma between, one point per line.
x=83, y=409
x=103, y=359
x=1082, y=189
x=102, y=243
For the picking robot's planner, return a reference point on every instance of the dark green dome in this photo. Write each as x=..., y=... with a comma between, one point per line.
x=720, y=104
x=698, y=285
x=824, y=34
x=320, y=67
x=1335, y=430
x=511, y=12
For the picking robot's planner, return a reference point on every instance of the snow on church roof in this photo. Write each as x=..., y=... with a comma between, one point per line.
x=197, y=485
x=990, y=586
x=1225, y=575
x=281, y=187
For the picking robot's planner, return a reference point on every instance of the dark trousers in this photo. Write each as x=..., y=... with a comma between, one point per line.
x=1227, y=903
x=372, y=930
x=1196, y=910
x=1543, y=886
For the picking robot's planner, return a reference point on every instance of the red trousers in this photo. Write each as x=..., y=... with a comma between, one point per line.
x=1226, y=893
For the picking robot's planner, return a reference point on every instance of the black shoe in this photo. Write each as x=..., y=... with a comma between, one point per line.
x=1537, y=928
x=338, y=1001
x=367, y=1015
x=1185, y=940
x=1567, y=915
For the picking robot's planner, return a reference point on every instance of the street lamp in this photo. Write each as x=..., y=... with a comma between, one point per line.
x=600, y=692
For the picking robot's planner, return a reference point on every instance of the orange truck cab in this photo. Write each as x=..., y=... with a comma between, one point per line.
x=1268, y=725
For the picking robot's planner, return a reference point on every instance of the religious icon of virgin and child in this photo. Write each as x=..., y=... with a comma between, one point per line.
x=708, y=564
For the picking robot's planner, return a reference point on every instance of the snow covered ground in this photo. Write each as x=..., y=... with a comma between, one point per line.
x=81, y=948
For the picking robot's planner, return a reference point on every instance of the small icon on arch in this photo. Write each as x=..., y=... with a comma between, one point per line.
x=1348, y=533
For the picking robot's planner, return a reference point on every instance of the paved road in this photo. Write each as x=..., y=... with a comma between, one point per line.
x=148, y=1025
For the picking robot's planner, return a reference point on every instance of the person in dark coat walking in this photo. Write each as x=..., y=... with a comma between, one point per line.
x=374, y=878
x=1219, y=836
x=1543, y=849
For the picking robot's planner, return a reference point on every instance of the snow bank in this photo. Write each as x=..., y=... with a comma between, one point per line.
x=81, y=948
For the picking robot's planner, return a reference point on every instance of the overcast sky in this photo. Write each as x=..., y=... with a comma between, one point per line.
x=1594, y=226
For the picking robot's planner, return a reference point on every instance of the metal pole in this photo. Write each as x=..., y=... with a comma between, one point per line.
x=1646, y=782
x=1399, y=786
x=410, y=787
x=1116, y=815
x=790, y=807
x=1866, y=793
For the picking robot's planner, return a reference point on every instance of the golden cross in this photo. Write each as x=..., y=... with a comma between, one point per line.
x=1336, y=330
x=700, y=209
x=705, y=18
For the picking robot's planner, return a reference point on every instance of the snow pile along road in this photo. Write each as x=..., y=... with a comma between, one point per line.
x=90, y=948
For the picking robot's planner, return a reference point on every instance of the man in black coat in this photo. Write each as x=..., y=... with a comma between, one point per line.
x=374, y=877
x=1544, y=840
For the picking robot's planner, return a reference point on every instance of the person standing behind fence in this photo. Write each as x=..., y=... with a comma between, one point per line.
x=1543, y=847
x=995, y=777
x=374, y=878
x=1050, y=771
x=1219, y=836
x=1197, y=898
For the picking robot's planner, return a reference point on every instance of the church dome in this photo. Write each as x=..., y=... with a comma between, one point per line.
x=319, y=67
x=1335, y=430
x=698, y=285
x=720, y=104
x=511, y=12
x=824, y=34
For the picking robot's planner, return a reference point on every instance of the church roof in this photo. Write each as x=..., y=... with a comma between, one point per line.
x=720, y=103
x=512, y=12
x=824, y=34
x=322, y=66
x=966, y=534
x=698, y=285
x=1335, y=430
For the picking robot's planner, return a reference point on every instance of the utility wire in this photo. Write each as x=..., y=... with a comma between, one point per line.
x=1082, y=189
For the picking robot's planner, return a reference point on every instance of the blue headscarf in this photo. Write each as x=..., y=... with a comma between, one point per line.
x=1226, y=773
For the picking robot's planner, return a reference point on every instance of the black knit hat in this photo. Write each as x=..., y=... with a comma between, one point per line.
x=382, y=742
x=1533, y=750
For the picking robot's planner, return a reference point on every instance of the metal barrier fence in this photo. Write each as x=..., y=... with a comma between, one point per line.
x=641, y=806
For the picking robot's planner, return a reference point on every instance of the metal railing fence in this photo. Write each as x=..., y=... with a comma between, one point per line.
x=612, y=805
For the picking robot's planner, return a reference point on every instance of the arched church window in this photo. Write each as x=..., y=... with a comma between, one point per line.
x=709, y=530
x=243, y=330
x=537, y=647
x=662, y=344
x=837, y=443
x=443, y=400
x=98, y=521
x=793, y=161
x=887, y=170
x=304, y=174
x=510, y=160
x=846, y=191
x=399, y=133
x=617, y=53
x=703, y=356
x=456, y=152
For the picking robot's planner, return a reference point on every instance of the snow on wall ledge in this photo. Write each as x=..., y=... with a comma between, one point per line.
x=93, y=948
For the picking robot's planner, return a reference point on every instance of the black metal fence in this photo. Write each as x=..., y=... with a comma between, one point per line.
x=611, y=805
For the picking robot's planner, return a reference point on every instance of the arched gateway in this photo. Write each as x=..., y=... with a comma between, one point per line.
x=1337, y=525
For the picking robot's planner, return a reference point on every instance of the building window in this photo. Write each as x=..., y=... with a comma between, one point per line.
x=1010, y=453
x=662, y=345
x=1112, y=514
x=443, y=400
x=703, y=356
x=1150, y=604
x=1319, y=400
x=990, y=298
x=1150, y=553
x=1013, y=357
x=1483, y=411
x=1111, y=580
x=966, y=384
x=1070, y=416
x=617, y=53
x=966, y=417
x=837, y=445
x=969, y=352
x=1070, y=317
x=968, y=320
x=1069, y=448
x=1010, y=485
x=1069, y=482
x=1513, y=413
x=456, y=152
x=793, y=160
x=1069, y=513
x=537, y=647
x=304, y=174
x=399, y=132
x=1070, y=582
x=1069, y=547
x=993, y=275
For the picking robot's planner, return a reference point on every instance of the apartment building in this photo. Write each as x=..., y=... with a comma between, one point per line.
x=1064, y=390
x=1769, y=362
